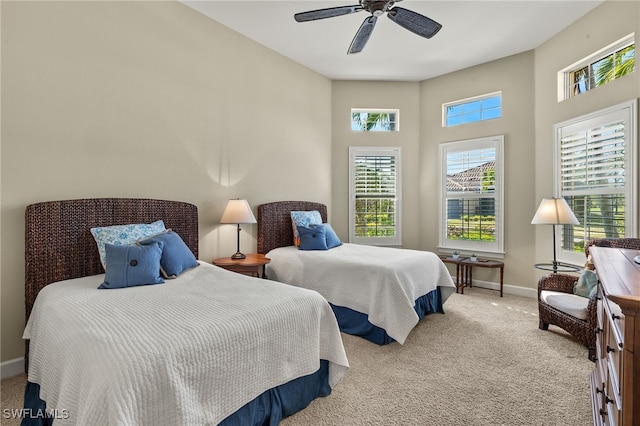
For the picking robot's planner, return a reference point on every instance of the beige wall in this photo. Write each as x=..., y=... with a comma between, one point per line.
x=508, y=75
x=607, y=24
x=404, y=96
x=149, y=99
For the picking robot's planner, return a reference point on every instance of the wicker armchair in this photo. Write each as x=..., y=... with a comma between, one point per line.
x=581, y=330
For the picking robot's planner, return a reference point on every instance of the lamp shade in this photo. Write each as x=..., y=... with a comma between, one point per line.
x=554, y=211
x=238, y=211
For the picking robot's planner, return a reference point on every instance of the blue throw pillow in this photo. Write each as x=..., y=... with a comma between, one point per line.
x=332, y=238
x=176, y=256
x=312, y=238
x=587, y=284
x=303, y=218
x=133, y=265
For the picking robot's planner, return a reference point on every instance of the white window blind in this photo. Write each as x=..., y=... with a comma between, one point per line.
x=593, y=159
x=597, y=176
x=375, y=196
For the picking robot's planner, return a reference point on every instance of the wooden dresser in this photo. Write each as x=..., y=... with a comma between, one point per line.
x=615, y=381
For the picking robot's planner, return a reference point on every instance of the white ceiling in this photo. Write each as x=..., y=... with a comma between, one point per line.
x=474, y=32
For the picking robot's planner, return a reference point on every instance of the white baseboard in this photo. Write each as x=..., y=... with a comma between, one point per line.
x=506, y=289
x=11, y=368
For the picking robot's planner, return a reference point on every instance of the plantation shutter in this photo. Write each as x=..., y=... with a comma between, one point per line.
x=375, y=196
x=375, y=176
x=595, y=174
x=592, y=161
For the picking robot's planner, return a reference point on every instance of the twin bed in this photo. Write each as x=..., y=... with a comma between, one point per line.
x=208, y=347
x=376, y=293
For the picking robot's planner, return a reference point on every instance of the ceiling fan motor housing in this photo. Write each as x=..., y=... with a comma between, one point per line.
x=376, y=8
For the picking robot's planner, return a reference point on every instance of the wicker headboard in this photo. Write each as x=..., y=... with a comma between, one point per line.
x=274, y=222
x=59, y=245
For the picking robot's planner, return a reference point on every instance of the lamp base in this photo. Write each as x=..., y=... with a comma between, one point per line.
x=238, y=256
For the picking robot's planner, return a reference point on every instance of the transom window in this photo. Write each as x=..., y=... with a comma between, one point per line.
x=471, y=213
x=608, y=64
x=597, y=175
x=479, y=108
x=375, y=196
x=375, y=120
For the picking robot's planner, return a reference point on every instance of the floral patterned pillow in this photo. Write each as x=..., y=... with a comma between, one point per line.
x=123, y=235
x=303, y=218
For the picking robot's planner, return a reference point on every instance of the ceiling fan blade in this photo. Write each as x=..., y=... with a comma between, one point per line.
x=414, y=22
x=363, y=34
x=313, y=15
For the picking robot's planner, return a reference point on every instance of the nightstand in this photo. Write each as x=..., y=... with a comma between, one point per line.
x=252, y=265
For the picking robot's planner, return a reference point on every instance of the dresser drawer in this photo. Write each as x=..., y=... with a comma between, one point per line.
x=600, y=299
x=613, y=345
x=613, y=405
x=597, y=398
x=601, y=340
x=613, y=313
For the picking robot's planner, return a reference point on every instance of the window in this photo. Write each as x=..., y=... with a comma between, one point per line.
x=471, y=213
x=375, y=196
x=479, y=108
x=597, y=175
x=614, y=61
x=375, y=120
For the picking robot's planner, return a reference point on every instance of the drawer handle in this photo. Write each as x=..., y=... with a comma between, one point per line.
x=610, y=349
x=608, y=400
x=603, y=412
x=615, y=317
x=598, y=330
x=598, y=390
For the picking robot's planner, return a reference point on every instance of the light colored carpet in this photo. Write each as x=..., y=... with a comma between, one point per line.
x=484, y=362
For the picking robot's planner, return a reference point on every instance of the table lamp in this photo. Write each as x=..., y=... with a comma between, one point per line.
x=238, y=211
x=554, y=211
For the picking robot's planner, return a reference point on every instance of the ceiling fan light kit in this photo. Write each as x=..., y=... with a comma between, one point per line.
x=407, y=19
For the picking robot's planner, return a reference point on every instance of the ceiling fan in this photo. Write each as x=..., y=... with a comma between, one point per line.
x=408, y=19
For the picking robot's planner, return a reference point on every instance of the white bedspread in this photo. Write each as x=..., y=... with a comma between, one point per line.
x=381, y=282
x=190, y=351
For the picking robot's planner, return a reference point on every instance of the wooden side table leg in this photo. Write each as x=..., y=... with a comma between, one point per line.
x=501, y=276
x=457, y=278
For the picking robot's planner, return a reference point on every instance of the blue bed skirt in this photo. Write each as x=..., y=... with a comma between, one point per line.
x=357, y=323
x=267, y=409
